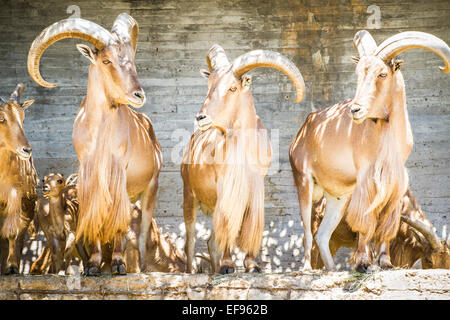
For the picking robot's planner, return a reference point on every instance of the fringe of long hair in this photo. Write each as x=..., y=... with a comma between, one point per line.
x=239, y=210
x=12, y=195
x=375, y=207
x=104, y=206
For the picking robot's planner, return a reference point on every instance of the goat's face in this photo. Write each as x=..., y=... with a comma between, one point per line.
x=440, y=259
x=117, y=71
x=227, y=100
x=53, y=184
x=12, y=134
x=374, y=89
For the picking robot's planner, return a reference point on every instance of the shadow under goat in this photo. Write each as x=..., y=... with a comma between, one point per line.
x=415, y=239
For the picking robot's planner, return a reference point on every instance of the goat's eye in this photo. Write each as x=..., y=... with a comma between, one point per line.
x=59, y=181
x=233, y=89
x=382, y=75
x=106, y=61
x=2, y=119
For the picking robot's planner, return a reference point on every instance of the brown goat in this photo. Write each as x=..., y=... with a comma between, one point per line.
x=18, y=180
x=119, y=155
x=224, y=165
x=354, y=153
x=415, y=239
x=57, y=215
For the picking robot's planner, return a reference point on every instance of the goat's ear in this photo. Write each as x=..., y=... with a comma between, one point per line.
x=205, y=73
x=396, y=64
x=354, y=59
x=87, y=52
x=246, y=81
x=26, y=104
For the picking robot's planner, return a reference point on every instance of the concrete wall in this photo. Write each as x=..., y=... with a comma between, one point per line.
x=174, y=38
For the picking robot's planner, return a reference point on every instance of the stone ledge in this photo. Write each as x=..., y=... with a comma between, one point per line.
x=394, y=284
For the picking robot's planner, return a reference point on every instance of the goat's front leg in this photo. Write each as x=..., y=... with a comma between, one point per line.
x=227, y=265
x=250, y=264
x=361, y=256
x=118, y=266
x=333, y=214
x=12, y=263
x=384, y=257
x=94, y=263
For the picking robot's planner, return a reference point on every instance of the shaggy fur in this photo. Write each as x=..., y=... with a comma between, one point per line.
x=374, y=208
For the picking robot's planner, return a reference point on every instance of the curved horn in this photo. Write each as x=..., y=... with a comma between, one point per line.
x=425, y=229
x=2, y=101
x=127, y=29
x=270, y=59
x=17, y=93
x=395, y=45
x=364, y=43
x=216, y=58
x=68, y=28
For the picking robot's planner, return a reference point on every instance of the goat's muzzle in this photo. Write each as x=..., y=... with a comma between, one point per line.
x=138, y=99
x=24, y=153
x=45, y=188
x=358, y=112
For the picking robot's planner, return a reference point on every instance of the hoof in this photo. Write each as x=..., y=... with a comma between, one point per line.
x=226, y=269
x=362, y=268
x=11, y=271
x=253, y=269
x=386, y=266
x=118, y=268
x=92, y=270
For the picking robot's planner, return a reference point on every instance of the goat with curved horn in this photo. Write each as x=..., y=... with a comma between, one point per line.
x=367, y=176
x=224, y=165
x=395, y=45
x=114, y=143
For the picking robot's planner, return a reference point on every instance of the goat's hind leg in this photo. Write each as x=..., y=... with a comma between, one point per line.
x=305, y=188
x=190, y=209
x=148, y=207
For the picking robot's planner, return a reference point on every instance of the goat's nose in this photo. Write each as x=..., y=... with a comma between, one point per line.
x=355, y=108
x=200, y=117
x=139, y=94
x=26, y=150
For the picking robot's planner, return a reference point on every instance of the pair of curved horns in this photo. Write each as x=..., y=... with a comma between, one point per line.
x=393, y=46
x=125, y=29
x=427, y=231
x=217, y=59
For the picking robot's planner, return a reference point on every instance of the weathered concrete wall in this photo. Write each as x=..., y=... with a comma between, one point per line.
x=174, y=38
x=397, y=285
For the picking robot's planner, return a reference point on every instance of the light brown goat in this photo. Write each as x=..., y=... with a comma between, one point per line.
x=57, y=216
x=119, y=155
x=354, y=152
x=415, y=240
x=18, y=180
x=224, y=165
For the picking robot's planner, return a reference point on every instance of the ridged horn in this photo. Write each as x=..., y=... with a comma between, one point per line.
x=17, y=93
x=216, y=58
x=403, y=41
x=67, y=28
x=427, y=231
x=127, y=29
x=270, y=59
x=364, y=43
